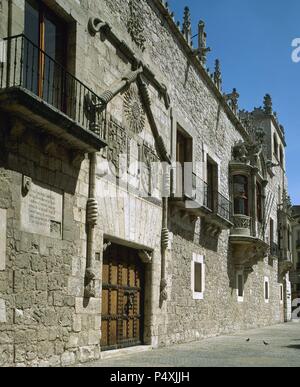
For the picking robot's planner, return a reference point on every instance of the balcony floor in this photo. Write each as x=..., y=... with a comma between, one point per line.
x=34, y=111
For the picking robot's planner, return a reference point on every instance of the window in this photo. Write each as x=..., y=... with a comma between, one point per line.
x=44, y=52
x=281, y=156
x=289, y=235
x=198, y=277
x=184, y=159
x=212, y=183
x=240, y=286
x=240, y=194
x=281, y=294
x=259, y=203
x=275, y=145
x=267, y=290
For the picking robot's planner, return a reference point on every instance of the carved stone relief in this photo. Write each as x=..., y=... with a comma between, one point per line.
x=133, y=110
x=135, y=25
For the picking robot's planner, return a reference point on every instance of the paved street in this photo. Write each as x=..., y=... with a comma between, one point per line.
x=224, y=351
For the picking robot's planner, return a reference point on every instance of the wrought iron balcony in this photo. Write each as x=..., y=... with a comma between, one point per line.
x=36, y=88
x=193, y=195
x=190, y=192
x=224, y=207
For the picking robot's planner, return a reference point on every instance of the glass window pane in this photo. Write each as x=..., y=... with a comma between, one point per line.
x=31, y=52
x=32, y=21
x=266, y=290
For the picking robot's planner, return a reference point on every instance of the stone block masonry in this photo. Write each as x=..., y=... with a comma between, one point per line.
x=55, y=289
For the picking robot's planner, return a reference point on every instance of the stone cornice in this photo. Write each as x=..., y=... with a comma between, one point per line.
x=189, y=52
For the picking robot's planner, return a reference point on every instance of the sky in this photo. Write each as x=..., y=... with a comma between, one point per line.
x=253, y=40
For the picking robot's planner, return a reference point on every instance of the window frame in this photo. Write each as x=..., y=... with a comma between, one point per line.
x=275, y=146
x=198, y=259
x=281, y=294
x=239, y=197
x=45, y=13
x=267, y=282
x=184, y=159
x=259, y=202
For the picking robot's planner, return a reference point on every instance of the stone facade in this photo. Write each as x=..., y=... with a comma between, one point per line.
x=63, y=200
x=295, y=273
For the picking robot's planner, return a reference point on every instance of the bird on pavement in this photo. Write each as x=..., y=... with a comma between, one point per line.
x=266, y=344
x=248, y=340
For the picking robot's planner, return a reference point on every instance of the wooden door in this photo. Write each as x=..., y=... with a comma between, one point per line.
x=122, y=298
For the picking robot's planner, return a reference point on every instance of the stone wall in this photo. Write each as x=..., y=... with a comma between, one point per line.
x=45, y=321
x=44, y=317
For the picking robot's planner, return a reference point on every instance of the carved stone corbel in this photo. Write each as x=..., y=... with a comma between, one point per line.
x=26, y=185
x=145, y=256
x=96, y=26
x=106, y=246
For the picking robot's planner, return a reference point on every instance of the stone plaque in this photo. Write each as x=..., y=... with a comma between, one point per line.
x=2, y=238
x=41, y=211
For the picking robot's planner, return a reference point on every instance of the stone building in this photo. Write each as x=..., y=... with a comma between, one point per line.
x=295, y=272
x=138, y=204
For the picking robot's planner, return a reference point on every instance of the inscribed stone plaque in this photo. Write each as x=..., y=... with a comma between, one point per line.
x=41, y=211
x=2, y=238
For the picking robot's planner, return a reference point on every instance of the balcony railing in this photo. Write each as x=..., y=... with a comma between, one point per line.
x=224, y=207
x=24, y=65
x=196, y=193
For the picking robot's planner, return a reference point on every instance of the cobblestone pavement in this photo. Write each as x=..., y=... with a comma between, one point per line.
x=224, y=351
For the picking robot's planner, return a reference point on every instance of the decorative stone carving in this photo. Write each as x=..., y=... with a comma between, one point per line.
x=26, y=185
x=92, y=212
x=133, y=109
x=212, y=229
x=268, y=104
x=135, y=25
x=241, y=221
x=202, y=47
x=217, y=76
x=149, y=174
x=240, y=152
x=248, y=254
x=118, y=143
x=145, y=256
x=232, y=100
x=284, y=268
x=248, y=121
x=187, y=25
x=106, y=245
x=165, y=238
x=286, y=202
x=96, y=25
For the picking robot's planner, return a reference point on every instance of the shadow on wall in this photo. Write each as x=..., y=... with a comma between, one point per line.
x=40, y=157
x=186, y=227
